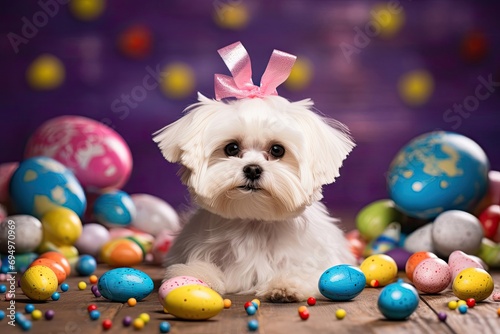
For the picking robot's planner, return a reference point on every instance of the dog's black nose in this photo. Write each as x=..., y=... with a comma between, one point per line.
x=252, y=172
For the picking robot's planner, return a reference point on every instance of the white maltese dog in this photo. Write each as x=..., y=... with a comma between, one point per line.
x=255, y=167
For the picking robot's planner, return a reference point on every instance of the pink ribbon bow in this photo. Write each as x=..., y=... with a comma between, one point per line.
x=240, y=85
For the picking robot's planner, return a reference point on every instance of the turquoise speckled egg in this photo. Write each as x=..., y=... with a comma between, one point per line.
x=120, y=284
x=342, y=282
x=114, y=209
x=397, y=301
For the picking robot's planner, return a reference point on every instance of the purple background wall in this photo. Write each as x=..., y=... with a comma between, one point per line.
x=362, y=92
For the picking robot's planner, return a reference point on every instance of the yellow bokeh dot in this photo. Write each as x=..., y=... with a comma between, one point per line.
x=45, y=73
x=177, y=80
x=87, y=10
x=416, y=87
x=390, y=17
x=301, y=74
x=231, y=15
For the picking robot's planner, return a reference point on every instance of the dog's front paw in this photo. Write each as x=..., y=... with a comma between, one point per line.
x=282, y=291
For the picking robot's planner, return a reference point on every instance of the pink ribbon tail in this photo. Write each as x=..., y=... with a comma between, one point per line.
x=240, y=85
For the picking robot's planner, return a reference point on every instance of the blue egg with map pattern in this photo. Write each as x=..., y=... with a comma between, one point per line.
x=436, y=172
x=342, y=282
x=40, y=184
x=114, y=209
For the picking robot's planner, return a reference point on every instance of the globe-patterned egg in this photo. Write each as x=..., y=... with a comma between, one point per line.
x=438, y=171
x=41, y=184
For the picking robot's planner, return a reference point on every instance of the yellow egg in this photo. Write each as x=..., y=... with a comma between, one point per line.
x=231, y=15
x=177, y=80
x=473, y=283
x=39, y=282
x=45, y=72
x=61, y=226
x=87, y=10
x=301, y=74
x=379, y=267
x=194, y=302
x=416, y=87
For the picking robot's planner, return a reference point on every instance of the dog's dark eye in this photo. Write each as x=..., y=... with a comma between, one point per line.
x=277, y=151
x=232, y=149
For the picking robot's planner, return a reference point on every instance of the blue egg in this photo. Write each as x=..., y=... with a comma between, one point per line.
x=114, y=208
x=342, y=282
x=86, y=265
x=40, y=183
x=437, y=172
x=397, y=301
x=120, y=284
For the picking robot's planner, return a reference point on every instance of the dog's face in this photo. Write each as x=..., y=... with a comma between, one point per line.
x=255, y=158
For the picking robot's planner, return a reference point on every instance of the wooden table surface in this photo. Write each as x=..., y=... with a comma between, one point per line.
x=363, y=316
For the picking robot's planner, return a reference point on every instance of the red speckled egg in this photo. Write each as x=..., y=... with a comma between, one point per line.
x=432, y=276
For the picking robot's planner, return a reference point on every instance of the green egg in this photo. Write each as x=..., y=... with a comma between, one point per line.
x=372, y=220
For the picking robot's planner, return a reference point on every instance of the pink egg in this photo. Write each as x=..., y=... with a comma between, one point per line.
x=174, y=283
x=6, y=171
x=459, y=261
x=97, y=155
x=93, y=237
x=432, y=275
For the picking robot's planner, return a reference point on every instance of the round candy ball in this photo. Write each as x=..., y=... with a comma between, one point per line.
x=114, y=208
x=93, y=237
x=341, y=282
x=41, y=183
x=98, y=155
x=379, y=267
x=436, y=172
x=86, y=265
x=397, y=301
x=39, y=282
x=28, y=233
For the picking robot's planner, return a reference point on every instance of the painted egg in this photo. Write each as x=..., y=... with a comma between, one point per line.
x=342, y=282
x=98, y=155
x=120, y=284
x=490, y=253
x=414, y=260
x=456, y=230
x=54, y=266
x=40, y=184
x=459, y=261
x=61, y=226
x=6, y=171
x=397, y=301
x=161, y=246
x=432, y=275
x=28, y=233
x=400, y=256
x=86, y=265
x=114, y=208
x=59, y=258
x=175, y=282
x=23, y=261
x=39, y=282
x=379, y=267
x=194, y=302
x=153, y=214
x=93, y=237
x=143, y=240
x=490, y=221
x=388, y=240
x=420, y=240
x=374, y=218
x=121, y=253
x=473, y=283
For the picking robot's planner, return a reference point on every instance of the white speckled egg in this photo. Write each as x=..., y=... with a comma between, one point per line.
x=175, y=282
x=456, y=230
x=432, y=275
x=420, y=240
x=459, y=261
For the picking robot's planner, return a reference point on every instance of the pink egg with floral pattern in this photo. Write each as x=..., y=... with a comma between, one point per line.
x=432, y=275
x=175, y=282
x=95, y=153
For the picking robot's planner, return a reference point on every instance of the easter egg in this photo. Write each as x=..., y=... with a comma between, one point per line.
x=61, y=226
x=436, y=172
x=386, y=241
x=420, y=240
x=175, y=282
x=194, y=302
x=341, y=282
x=414, y=260
x=459, y=261
x=54, y=266
x=153, y=214
x=121, y=284
x=379, y=267
x=114, y=208
x=93, y=237
x=374, y=218
x=397, y=301
x=490, y=221
x=96, y=154
x=489, y=252
x=473, y=283
x=39, y=282
x=456, y=230
x=46, y=72
x=6, y=171
x=59, y=258
x=86, y=265
x=28, y=234
x=400, y=256
x=121, y=253
x=40, y=184
x=432, y=275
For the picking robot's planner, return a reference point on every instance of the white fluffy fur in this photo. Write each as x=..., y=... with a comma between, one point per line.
x=276, y=241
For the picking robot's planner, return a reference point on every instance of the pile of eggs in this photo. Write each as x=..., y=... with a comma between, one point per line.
x=66, y=197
